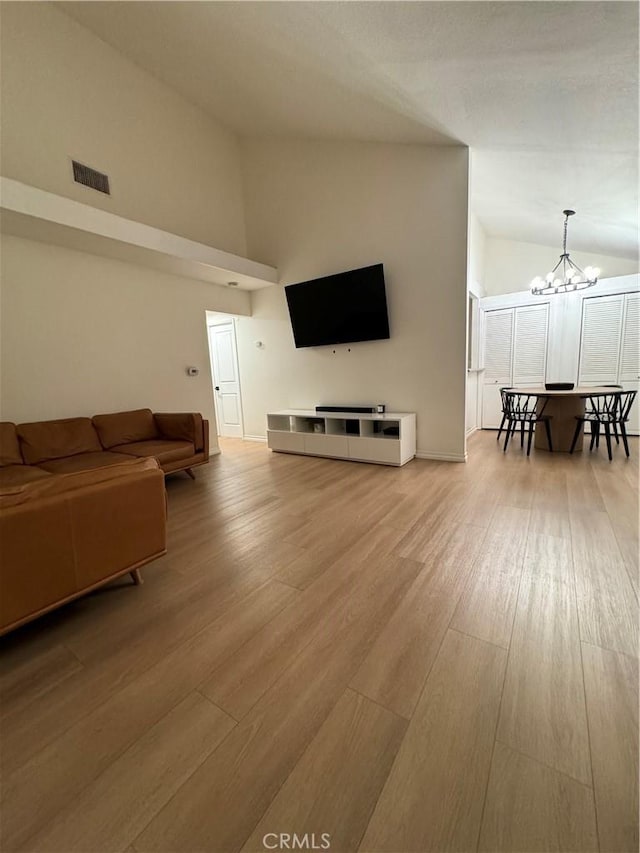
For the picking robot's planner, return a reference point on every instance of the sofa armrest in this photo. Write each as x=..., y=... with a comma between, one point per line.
x=186, y=426
x=118, y=524
x=205, y=435
x=72, y=532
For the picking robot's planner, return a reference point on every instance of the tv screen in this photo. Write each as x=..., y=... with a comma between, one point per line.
x=339, y=309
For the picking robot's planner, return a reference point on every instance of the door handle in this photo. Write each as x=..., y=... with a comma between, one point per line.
x=217, y=387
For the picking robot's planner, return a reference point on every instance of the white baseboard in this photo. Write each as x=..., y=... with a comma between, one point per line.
x=215, y=451
x=441, y=457
x=262, y=438
x=471, y=431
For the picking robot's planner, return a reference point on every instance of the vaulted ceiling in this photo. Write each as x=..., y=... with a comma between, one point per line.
x=544, y=93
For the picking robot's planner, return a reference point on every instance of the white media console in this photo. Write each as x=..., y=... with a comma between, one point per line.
x=388, y=439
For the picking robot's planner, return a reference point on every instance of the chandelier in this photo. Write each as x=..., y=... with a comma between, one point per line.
x=565, y=276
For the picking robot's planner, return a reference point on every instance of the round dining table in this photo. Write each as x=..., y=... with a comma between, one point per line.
x=563, y=408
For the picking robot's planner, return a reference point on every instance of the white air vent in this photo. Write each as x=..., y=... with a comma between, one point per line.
x=90, y=178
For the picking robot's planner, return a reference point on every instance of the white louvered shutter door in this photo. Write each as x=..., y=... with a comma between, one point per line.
x=498, y=346
x=630, y=350
x=600, y=340
x=530, y=345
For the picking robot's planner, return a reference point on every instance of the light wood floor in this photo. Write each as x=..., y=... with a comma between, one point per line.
x=439, y=657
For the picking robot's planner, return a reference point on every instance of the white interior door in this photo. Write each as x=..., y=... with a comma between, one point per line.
x=530, y=345
x=226, y=381
x=630, y=348
x=498, y=363
x=600, y=340
x=629, y=375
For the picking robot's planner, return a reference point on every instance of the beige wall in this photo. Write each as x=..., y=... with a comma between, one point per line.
x=67, y=94
x=477, y=246
x=315, y=208
x=82, y=335
x=509, y=266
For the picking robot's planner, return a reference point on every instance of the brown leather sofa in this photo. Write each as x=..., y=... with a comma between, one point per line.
x=82, y=501
x=66, y=534
x=33, y=451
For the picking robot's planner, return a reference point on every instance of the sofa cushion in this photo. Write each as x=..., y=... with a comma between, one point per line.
x=50, y=486
x=162, y=450
x=18, y=475
x=125, y=427
x=84, y=462
x=9, y=447
x=47, y=440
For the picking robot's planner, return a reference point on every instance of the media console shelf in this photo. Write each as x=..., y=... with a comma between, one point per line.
x=388, y=439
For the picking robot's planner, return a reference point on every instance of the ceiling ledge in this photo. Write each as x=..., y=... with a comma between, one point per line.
x=48, y=218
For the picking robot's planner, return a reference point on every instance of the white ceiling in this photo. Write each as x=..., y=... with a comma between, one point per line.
x=545, y=93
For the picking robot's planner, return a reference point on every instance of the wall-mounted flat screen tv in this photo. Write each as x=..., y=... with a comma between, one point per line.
x=339, y=309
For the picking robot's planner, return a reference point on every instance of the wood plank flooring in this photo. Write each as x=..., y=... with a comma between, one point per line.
x=434, y=658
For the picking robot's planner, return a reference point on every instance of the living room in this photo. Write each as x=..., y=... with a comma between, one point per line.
x=375, y=578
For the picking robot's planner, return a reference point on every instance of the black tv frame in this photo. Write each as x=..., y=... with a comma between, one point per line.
x=381, y=332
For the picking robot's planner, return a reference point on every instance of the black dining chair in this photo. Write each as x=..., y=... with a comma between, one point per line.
x=595, y=430
x=627, y=399
x=504, y=411
x=606, y=411
x=525, y=410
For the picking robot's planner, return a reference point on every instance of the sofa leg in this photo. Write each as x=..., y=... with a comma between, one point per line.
x=136, y=577
x=189, y=471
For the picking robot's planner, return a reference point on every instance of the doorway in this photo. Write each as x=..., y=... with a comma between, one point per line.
x=223, y=351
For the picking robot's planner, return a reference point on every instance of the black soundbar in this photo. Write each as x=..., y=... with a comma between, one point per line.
x=355, y=410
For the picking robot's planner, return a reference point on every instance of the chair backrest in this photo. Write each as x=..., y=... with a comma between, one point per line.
x=604, y=406
x=589, y=406
x=502, y=397
x=521, y=406
x=625, y=401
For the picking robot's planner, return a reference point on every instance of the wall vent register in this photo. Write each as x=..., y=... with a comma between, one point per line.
x=90, y=178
